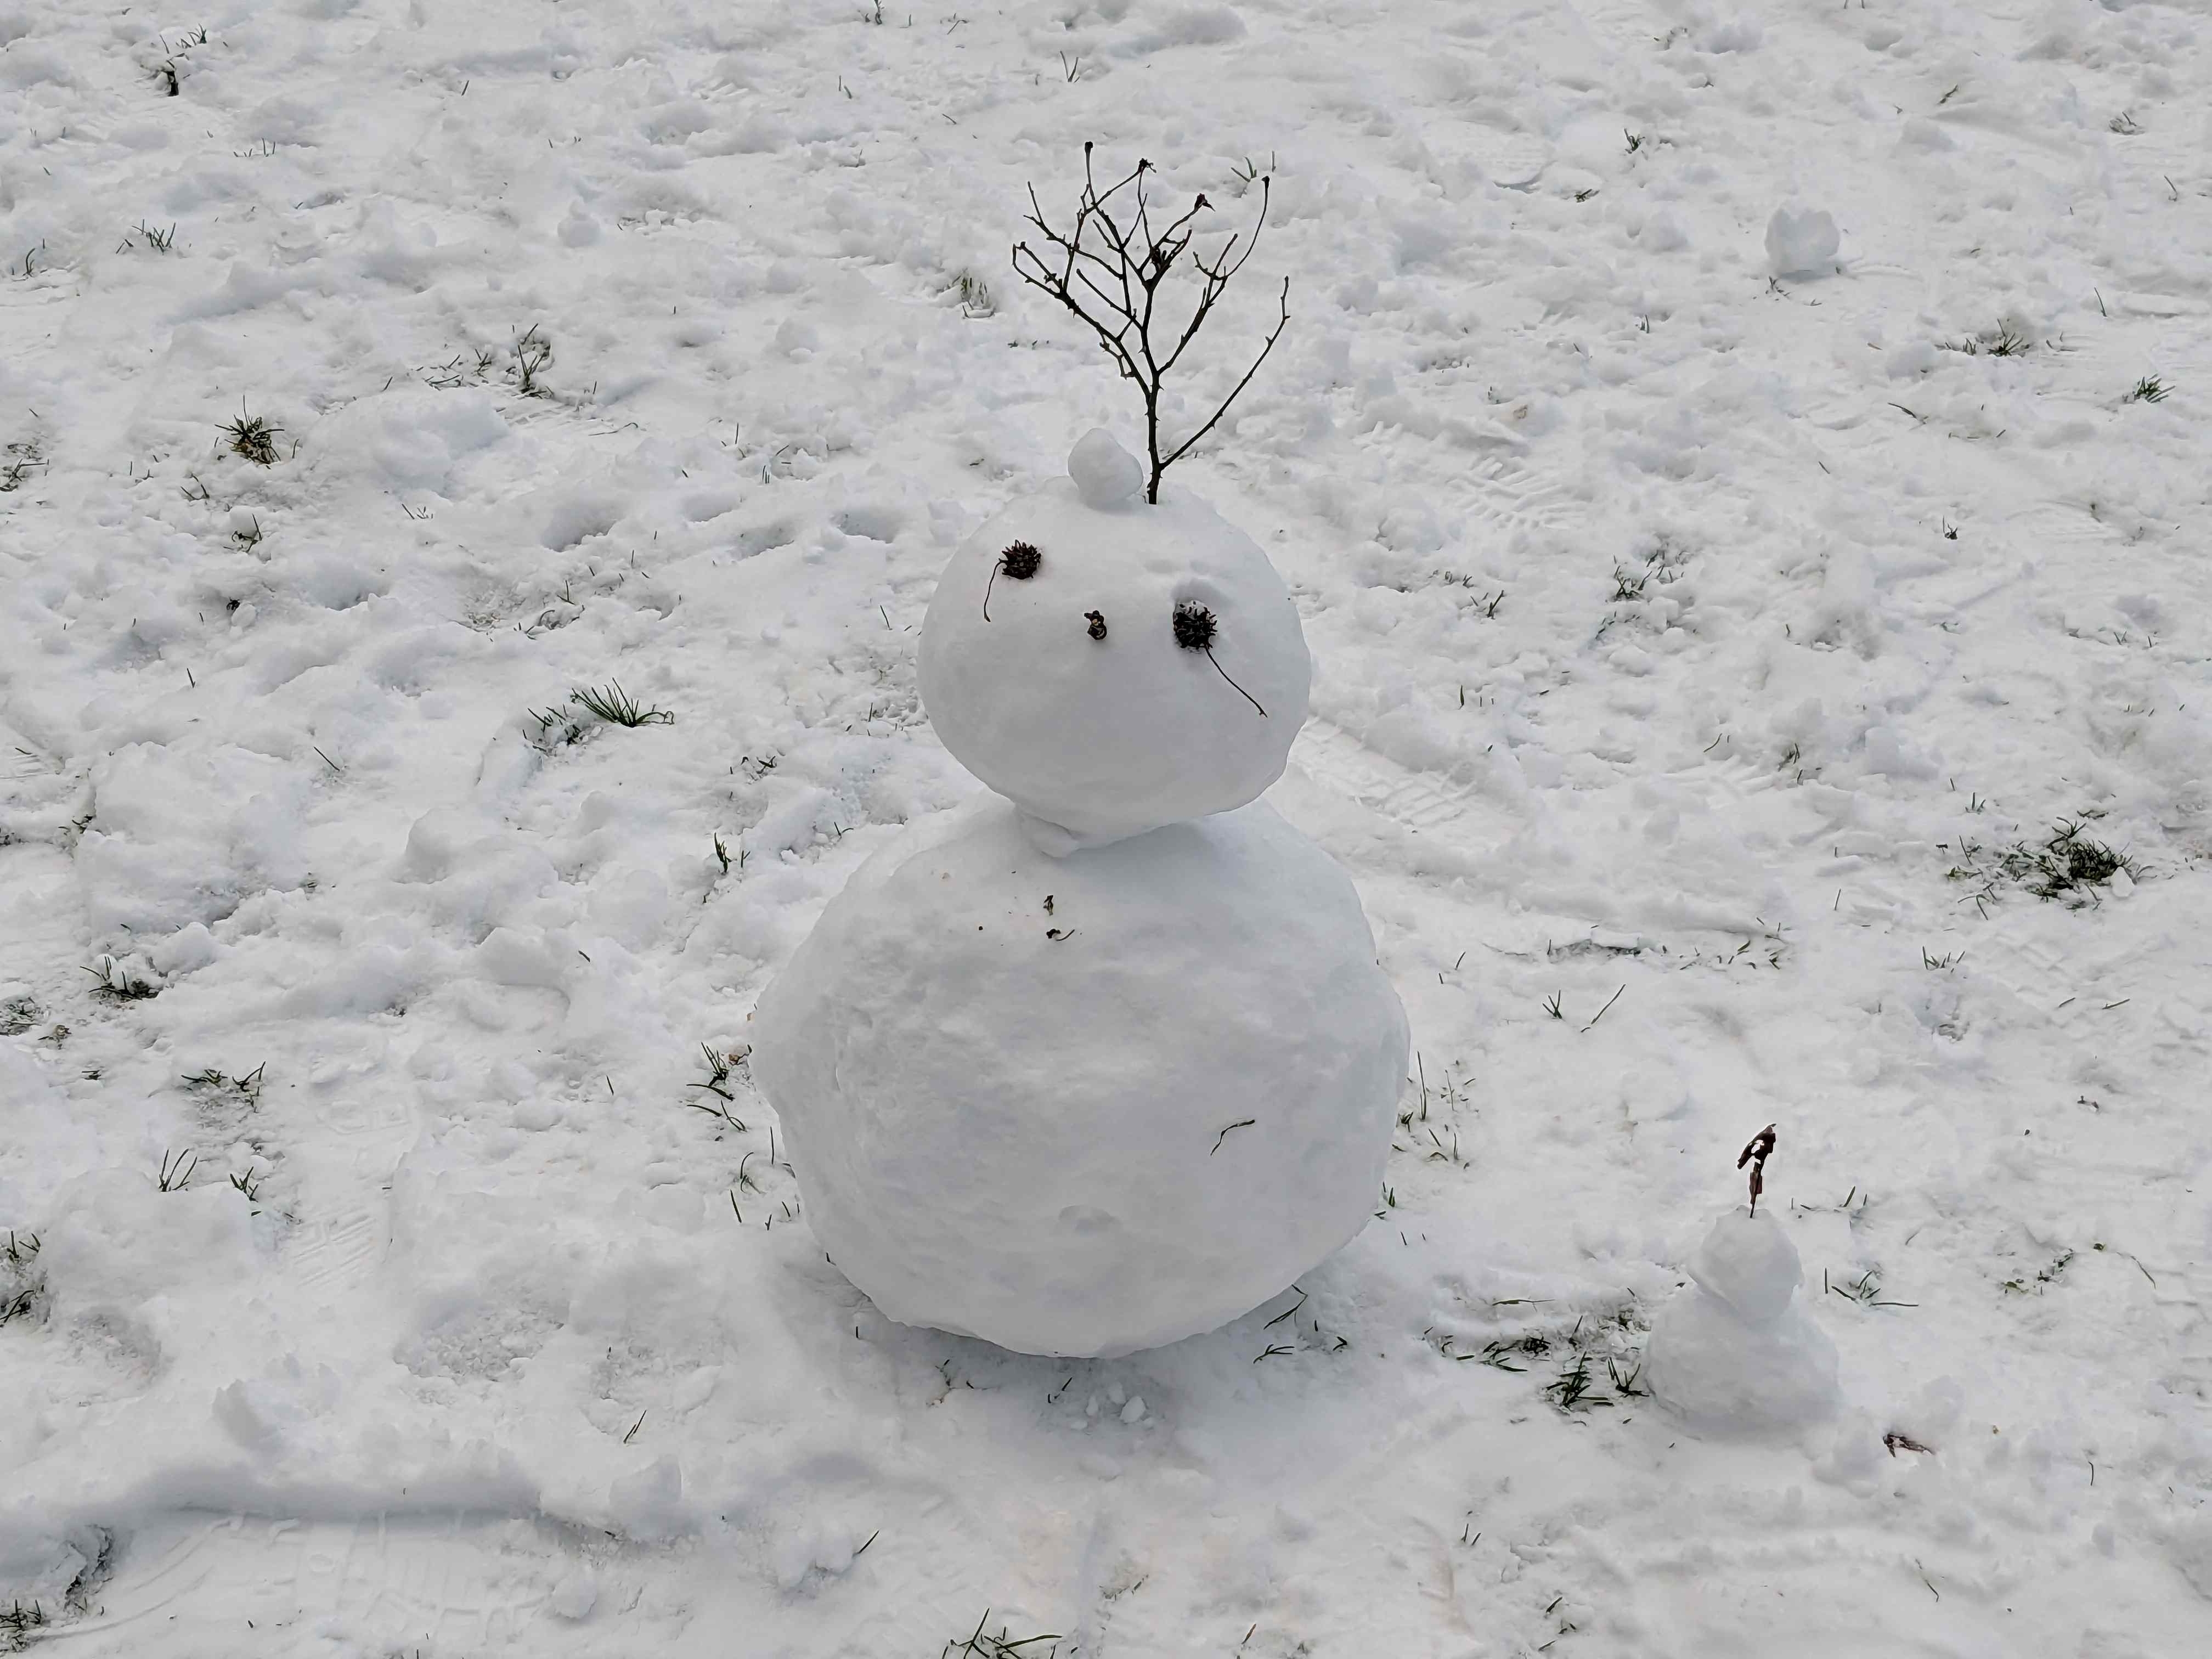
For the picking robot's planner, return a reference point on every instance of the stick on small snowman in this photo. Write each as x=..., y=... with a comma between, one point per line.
x=1011, y=1056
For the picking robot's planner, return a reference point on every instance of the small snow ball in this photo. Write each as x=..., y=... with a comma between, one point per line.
x=1751, y=1264
x=1801, y=242
x=578, y=228
x=1106, y=475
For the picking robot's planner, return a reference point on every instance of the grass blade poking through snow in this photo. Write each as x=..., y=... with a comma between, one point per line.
x=617, y=707
x=252, y=438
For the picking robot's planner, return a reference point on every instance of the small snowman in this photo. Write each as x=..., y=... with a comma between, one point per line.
x=1104, y=1059
x=1736, y=1353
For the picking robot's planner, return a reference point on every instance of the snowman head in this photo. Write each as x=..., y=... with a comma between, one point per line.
x=1112, y=666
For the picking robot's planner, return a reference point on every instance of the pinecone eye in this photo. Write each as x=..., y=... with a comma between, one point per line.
x=1194, y=627
x=1017, y=561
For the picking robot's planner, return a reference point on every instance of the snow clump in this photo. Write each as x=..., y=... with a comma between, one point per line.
x=1801, y=242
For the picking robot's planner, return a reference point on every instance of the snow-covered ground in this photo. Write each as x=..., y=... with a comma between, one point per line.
x=1724, y=688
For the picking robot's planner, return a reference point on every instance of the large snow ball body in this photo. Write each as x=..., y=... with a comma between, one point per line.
x=1091, y=1104
x=1112, y=666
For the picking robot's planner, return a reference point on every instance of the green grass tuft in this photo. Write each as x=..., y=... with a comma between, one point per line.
x=252, y=438
x=981, y=1644
x=617, y=707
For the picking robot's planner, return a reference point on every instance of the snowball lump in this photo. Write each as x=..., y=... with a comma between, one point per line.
x=1106, y=475
x=1735, y=1354
x=1094, y=1127
x=1801, y=242
x=1749, y=1261
x=1075, y=700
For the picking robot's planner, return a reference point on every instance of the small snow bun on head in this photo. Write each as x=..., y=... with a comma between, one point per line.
x=1106, y=475
x=1112, y=666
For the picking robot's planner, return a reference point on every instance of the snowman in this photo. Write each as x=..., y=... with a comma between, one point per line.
x=1104, y=1059
x=1736, y=1353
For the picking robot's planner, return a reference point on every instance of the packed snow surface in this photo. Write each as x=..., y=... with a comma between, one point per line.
x=1072, y=691
x=1734, y=693
x=1088, y=1104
